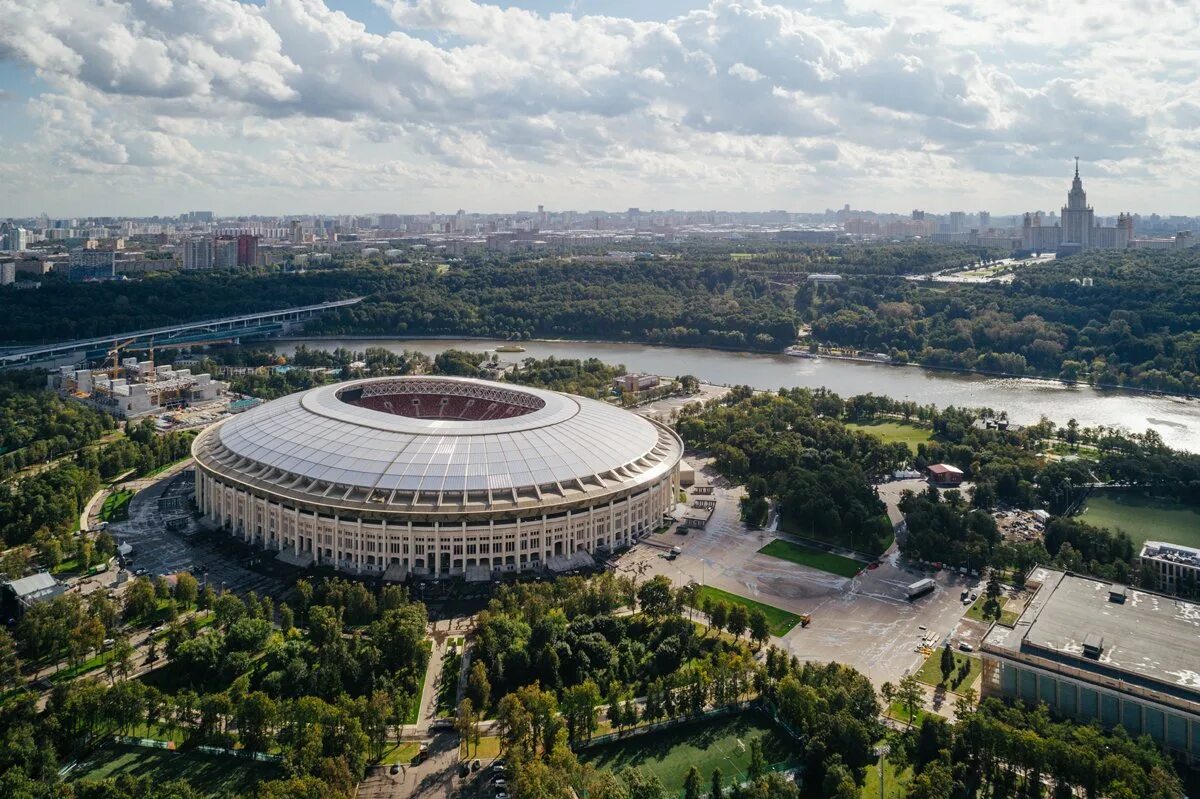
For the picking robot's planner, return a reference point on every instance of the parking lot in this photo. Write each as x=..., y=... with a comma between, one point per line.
x=167, y=539
x=866, y=621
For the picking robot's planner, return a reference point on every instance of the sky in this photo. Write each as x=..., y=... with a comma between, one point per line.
x=143, y=107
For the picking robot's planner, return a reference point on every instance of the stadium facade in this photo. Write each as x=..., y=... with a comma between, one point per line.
x=437, y=476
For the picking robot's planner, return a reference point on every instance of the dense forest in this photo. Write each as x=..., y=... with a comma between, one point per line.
x=1135, y=322
x=238, y=672
x=1112, y=318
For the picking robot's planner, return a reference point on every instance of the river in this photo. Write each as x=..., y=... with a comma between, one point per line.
x=1177, y=420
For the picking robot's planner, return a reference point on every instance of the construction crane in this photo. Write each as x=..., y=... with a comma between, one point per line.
x=115, y=370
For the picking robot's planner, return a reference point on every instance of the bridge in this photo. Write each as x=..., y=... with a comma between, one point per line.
x=208, y=331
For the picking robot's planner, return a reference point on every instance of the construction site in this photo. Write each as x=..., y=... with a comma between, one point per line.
x=130, y=389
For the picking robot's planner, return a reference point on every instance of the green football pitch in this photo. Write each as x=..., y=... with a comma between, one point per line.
x=722, y=743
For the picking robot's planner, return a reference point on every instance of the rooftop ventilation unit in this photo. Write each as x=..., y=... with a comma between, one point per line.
x=1093, y=645
x=1117, y=593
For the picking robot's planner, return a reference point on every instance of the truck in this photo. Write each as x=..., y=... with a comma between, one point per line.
x=920, y=588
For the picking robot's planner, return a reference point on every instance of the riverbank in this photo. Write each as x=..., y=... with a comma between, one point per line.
x=1025, y=399
x=860, y=359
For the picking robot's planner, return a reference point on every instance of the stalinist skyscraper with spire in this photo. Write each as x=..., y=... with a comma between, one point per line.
x=1077, y=230
x=1077, y=216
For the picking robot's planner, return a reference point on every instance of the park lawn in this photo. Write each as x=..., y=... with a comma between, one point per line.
x=720, y=743
x=1144, y=518
x=892, y=432
x=488, y=749
x=931, y=671
x=211, y=775
x=895, y=782
x=400, y=752
x=116, y=506
x=897, y=712
x=66, y=566
x=975, y=613
x=813, y=558
x=779, y=619
x=1008, y=618
x=158, y=732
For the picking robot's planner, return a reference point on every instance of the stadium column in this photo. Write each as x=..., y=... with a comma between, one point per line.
x=358, y=547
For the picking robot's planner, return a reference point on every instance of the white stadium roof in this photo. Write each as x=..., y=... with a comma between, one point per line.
x=319, y=442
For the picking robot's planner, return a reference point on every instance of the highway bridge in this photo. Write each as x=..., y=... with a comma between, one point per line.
x=209, y=331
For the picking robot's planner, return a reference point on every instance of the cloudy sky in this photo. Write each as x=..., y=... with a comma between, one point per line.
x=278, y=106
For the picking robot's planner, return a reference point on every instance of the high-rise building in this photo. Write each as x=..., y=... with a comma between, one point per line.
x=247, y=250
x=225, y=253
x=198, y=253
x=17, y=238
x=297, y=232
x=1078, y=219
x=958, y=222
x=985, y=221
x=8, y=273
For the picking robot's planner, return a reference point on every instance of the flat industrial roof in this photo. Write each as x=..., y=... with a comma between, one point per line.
x=1149, y=639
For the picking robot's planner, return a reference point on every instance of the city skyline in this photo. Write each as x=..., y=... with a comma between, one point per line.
x=353, y=107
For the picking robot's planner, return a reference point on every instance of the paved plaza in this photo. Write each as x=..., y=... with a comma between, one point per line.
x=866, y=622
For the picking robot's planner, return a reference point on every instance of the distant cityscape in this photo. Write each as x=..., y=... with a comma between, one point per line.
x=100, y=248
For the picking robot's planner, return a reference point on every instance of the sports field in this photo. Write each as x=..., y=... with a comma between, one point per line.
x=813, y=558
x=723, y=743
x=1144, y=518
x=894, y=432
x=210, y=774
x=780, y=620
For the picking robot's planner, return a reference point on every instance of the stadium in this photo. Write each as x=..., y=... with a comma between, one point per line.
x=437, y=477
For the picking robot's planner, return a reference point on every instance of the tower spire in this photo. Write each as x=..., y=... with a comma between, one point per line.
x=1077, y=167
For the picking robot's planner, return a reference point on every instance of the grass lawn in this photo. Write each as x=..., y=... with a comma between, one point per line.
x=901, y=715
x=780, y=620
x=893, y=432
x=1144, y=518
x=895, y=783
x=164, y=467
x=976, y=611
x=116, y=506
x=66, y=566
x=414, y=707
x=489, y=749
x=400, y=752
x=723, y=743
x=813, y=558
x=1008, y=618
x=931, y=670
x=210, y=775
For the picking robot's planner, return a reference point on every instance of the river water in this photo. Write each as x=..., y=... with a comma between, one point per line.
x=1176, y=420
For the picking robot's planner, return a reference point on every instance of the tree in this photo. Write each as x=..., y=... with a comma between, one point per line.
x=717, y=792
x=760, y=627
x=692, y=785
x=10, y=665
x=186, y=590
x=140, y=600
x=739, y=619
x=466, y=722
x=286, y=619
x=758, y=765
x=656, y=597
x=947, y=662
x=579, y=708
x=479, y=688
x=719, y=615
x=256, y=715
x=911, y=696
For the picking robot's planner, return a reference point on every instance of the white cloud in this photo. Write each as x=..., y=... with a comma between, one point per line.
x=887, y=104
